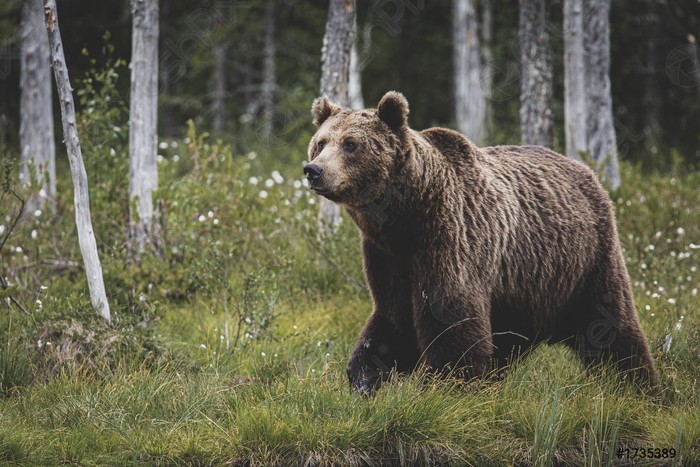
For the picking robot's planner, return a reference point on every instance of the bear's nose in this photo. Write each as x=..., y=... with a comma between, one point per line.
x=312, y=172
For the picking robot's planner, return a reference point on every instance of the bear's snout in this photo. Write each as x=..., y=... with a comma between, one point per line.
x=313, y=172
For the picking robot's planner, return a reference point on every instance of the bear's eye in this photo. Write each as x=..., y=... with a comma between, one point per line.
x=320, y=145
x=349, y=146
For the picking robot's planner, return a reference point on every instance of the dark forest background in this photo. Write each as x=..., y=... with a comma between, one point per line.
x=655, y=66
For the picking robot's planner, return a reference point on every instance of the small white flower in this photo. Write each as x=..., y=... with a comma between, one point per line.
x=650, y=248
x=37, y=213
x=680, y=230
x=253, y=180
x=655, y=295
x=262, y=353
x=18, y=249
x=297, y=184
x=176, y=158
x=42, y=193
x=160, y=158
x=693, y=246
x=174, y=144
x=210, y=214
x=647, y=308
x=112, y=152
x=216, y=221
x=672, y=301
x=657, y=235
x=294, y=327
x=43, y=288
x=201, y=218
x=2, y=229
x=39, y=304
x=318, y=344
x=34, y=234
x=269, y=183
x=643, y=265
x=252, y=155
x=202, y=346
x=263, y=194
x=312, y=201
x=277, y=177
x=163, y=145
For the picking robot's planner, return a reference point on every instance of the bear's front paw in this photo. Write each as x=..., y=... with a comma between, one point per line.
x=363, y=378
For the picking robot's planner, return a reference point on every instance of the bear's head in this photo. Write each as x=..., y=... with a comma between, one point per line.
x=355, y=153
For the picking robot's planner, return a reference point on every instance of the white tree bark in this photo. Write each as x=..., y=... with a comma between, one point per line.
x=355, y=76
x=36, y=132
x=220, y=83
x=536, y=125
x=81, y=199
x=269, y=84
x=143, y=119
x=574, y=79
x=487, y=60
x=335, y=71
x=355, y=81
x=600, y=128
x=470, y=101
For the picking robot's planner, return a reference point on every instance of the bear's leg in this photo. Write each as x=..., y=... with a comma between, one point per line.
x=388, y=340
x=608, y=326
x=453, y=331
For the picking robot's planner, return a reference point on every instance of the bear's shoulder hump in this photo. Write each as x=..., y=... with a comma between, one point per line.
x=451, y=144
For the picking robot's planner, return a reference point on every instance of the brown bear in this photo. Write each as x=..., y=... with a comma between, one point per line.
x=473, y=255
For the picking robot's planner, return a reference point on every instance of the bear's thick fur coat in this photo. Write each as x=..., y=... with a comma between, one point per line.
x=473, y=255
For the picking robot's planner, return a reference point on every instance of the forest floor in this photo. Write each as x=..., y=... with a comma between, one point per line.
x=230, y=339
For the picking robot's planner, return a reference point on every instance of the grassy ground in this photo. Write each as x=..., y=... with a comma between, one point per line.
x=230, y=342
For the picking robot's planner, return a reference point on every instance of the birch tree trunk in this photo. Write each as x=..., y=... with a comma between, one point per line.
x=574, y=79
x=470, y=102
x=486, y=77
x=600, y=128
x=536, y=124
x=143, y=118
x=335, y=70
x=81, y=198
x=269, y=84
x=36, y=132
x=355, y=80
x=219, y=91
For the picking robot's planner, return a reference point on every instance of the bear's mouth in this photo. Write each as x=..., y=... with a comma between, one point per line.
x=320, y=190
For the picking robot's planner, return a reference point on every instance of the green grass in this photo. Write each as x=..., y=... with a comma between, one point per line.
x=229, y=344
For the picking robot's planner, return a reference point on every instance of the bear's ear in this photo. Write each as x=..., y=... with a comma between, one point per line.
x=393, y=110
x=322, y=108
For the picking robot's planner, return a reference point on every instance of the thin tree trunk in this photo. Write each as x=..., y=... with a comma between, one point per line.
x=218, y=102
x=487, y=55
x=470, y=103
x=36, y=130
x=355, y=77
x=335, y=70
x=600, y=129
x=269, y=83
x=574, y=79
x=536, y=124
x=143, y=118
x=81, y=199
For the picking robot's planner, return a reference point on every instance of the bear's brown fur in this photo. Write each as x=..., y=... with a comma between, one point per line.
x=473, y=254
